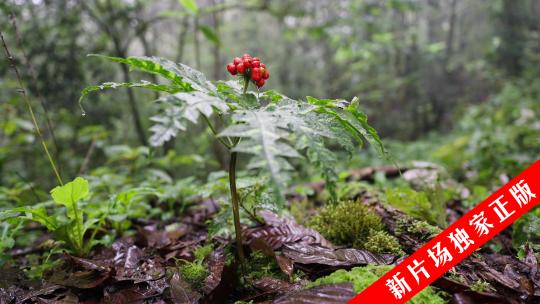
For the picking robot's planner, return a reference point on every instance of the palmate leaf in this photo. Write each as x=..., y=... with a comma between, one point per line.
x=267, y=134
x=178, y=109
x=264, y=132
x=350, y=118
x=115, y=85
x=182, y=77
x=192, y=94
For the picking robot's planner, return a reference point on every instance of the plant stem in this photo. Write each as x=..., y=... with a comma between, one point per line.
x=30, y=110
x=235, y=202
x=246, y=84
x=236, y=209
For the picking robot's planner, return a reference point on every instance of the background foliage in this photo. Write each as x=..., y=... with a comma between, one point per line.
x=453, y=82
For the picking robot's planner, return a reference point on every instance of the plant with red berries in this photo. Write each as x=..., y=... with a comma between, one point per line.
x=272, y=128
x=249, y=68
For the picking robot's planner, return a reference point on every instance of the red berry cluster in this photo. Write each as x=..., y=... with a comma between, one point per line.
x=250, y=68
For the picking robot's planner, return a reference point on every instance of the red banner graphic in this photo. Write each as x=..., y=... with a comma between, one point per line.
x=456, y=242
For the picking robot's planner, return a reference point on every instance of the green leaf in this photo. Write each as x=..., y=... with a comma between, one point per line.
x=183, y=77
x=70, y=193
x=180, y=108
x=190, y=5
x=350, y=118
x=38, y=214
x=153, y=65
x=263, y=132
x=210, y=34
x=173, y=14
x=114, y=85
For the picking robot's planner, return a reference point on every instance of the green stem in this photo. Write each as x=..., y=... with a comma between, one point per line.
x=31, y=111
x=246, y=84
x=236, y=209
x=228, y=145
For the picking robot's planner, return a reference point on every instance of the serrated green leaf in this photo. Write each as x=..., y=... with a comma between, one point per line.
x=183, y=77
x=153, y=65
x=179, y=108
x=190, y=5
x=263, y=134
x=115, y=85
x=350, y=118
x=210, y=34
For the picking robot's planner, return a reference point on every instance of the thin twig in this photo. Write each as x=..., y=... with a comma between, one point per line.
x=215, y=133
x=32, y=73
x=88, y=156
x=30, y=110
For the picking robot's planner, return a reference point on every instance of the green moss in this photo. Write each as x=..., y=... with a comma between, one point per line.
x=421, y=229
x=353, y=223
x=381, y=241
x=194, y=273
x=428, y=205
x=480, y=286
x=202, y=252
x=259, y=266
x=456, y=277
x=352, y=190
x=362, y=277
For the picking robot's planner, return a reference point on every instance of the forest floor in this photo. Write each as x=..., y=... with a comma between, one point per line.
x=176, y=262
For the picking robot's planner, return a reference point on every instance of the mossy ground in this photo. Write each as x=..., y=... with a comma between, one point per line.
x=353, y=223
x=362, y=277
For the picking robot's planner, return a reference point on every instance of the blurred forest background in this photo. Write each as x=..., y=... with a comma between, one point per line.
x=453, y=81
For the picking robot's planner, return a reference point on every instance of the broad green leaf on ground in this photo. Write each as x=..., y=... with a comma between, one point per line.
x=179, y=108
x=69, y=195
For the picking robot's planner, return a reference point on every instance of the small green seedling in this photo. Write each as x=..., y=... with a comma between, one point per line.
x=68, y=228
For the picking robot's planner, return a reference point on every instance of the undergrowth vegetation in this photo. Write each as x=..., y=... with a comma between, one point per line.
x=362, y=277
x=249, y=193
x=353, y=224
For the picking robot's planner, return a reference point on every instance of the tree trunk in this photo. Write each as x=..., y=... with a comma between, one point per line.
x=139, y=129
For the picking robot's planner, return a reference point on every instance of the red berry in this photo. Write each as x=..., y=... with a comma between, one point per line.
x=260, y=83
x=256, y=74
x=255, y=63
x=231, y=68
x=247, y=55
x=263, y=65
x=240, y=68
x=266, y=74
x=247, y=63
x=256, y=58
x=237, y=60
